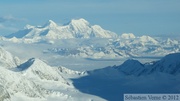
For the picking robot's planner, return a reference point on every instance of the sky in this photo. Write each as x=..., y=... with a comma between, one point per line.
x=141, y=17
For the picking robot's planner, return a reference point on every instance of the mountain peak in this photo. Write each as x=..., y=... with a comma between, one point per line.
x=78, y=23
x=50, y=23
x=128, y=36
x=131, y=67
x=81, y=20
x=145, y=38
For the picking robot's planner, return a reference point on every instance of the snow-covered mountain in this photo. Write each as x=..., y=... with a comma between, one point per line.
x=169, y=64
x=76, y=28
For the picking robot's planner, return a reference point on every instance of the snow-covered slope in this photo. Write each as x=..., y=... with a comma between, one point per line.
x=35, y=68
x=76, y=28
x=4, y=95
x=13, y=82
x=7, y=59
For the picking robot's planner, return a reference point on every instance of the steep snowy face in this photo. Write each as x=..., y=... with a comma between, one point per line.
x=131, y=67
x=12, y=82
x=79, y=25
x=8, y=60
x=169, y=64
x=35, y=68
x=76, y=28
x=97, y=31
x=50, y=24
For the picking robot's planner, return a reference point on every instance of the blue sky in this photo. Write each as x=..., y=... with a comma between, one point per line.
x=149, y=17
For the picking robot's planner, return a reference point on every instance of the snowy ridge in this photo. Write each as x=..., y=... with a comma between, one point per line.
x=7, y=59
x=14, y=82
x=170, y=64
x=131, y=67
x=35, y=68
x=69, y=71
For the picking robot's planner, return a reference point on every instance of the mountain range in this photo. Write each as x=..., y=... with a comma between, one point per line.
x=92, y=41
x=76, y=28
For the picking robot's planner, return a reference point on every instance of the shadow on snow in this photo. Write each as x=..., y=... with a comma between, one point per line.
x=110, y=84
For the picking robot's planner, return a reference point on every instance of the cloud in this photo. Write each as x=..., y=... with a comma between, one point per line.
x=3, y=27
x=10, y=24
x=10, y=18
x=7, y=18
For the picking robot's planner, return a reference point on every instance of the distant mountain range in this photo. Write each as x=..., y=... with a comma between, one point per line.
x=89, y=41
x=76, y=28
